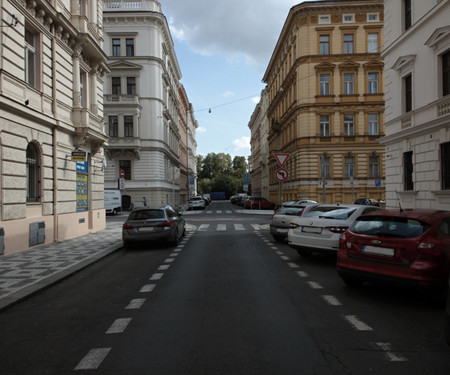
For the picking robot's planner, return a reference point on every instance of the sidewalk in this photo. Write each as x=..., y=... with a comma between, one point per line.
x=26, y=272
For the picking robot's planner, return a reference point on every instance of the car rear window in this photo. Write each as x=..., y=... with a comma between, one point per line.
x=146, y=214
x=293, y=211
x=338, y=213
x=389, y=227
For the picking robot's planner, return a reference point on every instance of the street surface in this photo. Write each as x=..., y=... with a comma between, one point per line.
x=227, y=300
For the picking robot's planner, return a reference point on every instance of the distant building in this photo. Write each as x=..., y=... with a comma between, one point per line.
x=141, y=103
x=51, y=106
x=417, y=72
x=326, y=106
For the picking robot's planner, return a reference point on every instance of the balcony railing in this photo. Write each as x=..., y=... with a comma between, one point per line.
x=443, y=107
x=121, y=99
x=124, y=4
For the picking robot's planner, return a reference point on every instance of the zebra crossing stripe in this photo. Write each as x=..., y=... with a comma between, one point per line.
x=203, y=227
x=239, y=227
x=221, y=227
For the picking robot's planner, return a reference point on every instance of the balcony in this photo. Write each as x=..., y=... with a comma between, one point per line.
x=121, y=100
x=443, y=106
x=112, y=5
x=124, y=146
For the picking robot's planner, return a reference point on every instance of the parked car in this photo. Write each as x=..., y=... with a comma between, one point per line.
x=241, y=200
x=197, y=203
x=153, y=223
x=320, y=228
x=368, y=202
x=282, y=218
x=258, y=203
x=397, y=246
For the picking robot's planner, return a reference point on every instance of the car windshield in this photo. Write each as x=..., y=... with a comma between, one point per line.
x=324, y=212
x=389, y=227
x=146, y=214
x=293, y=211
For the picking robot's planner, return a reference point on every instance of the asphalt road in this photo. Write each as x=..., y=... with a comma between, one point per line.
x=228, y=300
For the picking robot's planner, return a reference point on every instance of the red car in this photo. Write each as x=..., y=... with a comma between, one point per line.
x=257, y=203
x=400, y=246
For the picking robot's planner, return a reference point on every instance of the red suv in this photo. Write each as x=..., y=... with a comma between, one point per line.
x=401, y=246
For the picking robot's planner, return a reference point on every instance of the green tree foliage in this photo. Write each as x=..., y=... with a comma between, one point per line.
x=218, y=172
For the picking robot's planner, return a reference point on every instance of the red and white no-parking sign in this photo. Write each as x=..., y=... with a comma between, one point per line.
x=281, y=174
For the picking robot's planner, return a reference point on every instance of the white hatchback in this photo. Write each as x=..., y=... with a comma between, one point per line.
x=197, y=203
x=320, y=228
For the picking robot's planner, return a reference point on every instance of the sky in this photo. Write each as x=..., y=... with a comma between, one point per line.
x=223, y=49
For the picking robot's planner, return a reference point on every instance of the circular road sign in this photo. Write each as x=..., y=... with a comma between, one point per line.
x=281, y=174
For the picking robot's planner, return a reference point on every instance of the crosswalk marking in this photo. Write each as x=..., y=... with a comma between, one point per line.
x=239, y=227
x=221, y=227
x=203, y=227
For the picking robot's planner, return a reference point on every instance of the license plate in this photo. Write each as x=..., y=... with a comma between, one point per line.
x=146, y=229
x=385, y=251
x=311, y=229
x=282, y=230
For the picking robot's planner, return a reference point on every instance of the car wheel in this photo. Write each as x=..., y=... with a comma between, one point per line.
x=351, y=281
x=176, y=239
x=127, y=245
x=305, y=253
x=278, y=238
x=114, y=212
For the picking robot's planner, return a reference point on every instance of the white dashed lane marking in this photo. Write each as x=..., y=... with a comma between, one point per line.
x=157, y=276
x=93, y=359
x=147, y=288
x=356, y=323
x=119, y=326
x=332, y=300
x=386, y=347
x=135, y=304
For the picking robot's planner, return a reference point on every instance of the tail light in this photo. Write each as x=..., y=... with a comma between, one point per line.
x=165, y=224
x=127, y=226
x=430, y=246
x=337, y=229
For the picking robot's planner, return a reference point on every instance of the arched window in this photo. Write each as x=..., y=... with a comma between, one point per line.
x=33, y=173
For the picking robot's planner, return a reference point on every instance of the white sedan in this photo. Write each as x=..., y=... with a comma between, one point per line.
x=319, y=229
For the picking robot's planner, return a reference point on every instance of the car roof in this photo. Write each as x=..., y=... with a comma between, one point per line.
x=423, y=214
x=144, y=208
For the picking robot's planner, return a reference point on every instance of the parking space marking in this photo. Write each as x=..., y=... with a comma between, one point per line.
x=118, y=326
x=386, y=347
x=93, y=359
x=147, y=288
x=356, y=323
x=135, y=304
x=332, y=300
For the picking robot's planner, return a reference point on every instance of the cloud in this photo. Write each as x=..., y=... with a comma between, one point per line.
x=240, y=144
x=227, y=94
x=201, y=129
x=240, y=30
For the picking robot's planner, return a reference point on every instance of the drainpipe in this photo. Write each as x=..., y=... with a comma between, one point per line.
x=55, y=142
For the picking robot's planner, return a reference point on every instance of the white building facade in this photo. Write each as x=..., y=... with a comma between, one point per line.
x=141, y=103
x=51, y=115
x=417, y=81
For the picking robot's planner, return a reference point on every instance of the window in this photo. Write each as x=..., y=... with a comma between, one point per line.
x=349, y=124
x=125, y=166
x=128, y=126
x=324, y=44
x=131, y=85
x=348, y=18
x=349, y=83
x=349, y=163
x=83, y=99
x=373, y=17
x=407, y=84
x=445, y=165
x=372, y=42
x=30, y=57
x=116, y=90
x=325, y=164
x=348, y=43
x=446, y=73
x=408, y=183
x=373, y=119
x=33, y=173
x=374, y=166
x=372, y=83
x=324, y=84
x=116, y=47
x=113, y=123
x=407, y=14
x=324, y=18
x=324, y=125
x=130, y=46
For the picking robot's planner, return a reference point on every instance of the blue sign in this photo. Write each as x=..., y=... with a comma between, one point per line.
x=377, y=182
x=82, y=166
x=245, y=178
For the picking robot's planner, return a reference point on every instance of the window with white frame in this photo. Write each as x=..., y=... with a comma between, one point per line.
x=373, y=121
x=128, y=126
x=349, y=124
x=348, y=43
x=324, y=82
x=131, y=85
x=83, y=89
x=348, y=18
x=372, y=83
x=129, y=46
x=349, y=83
x=115, y=46
x=115, y=86
x=324, y=18
x=373, y=17
x=372, y=42
x=113, y=125
x=31, y=58
x=324, y=44
x=324, y=124
x=349, y=165
x=374, y=166
x=325, y=164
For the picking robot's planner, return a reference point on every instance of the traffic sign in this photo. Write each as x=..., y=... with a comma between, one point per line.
x=281, y=158
x=281, y=174
x=122, y=173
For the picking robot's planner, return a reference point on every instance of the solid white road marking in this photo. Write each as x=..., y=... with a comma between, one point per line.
x=332, y=300
x=239, y=227
x=356, y=323
x=157, y=276
x=118, y=326
x=386, y=347
x=93, y=359
x=147, y=288
x=135, y=304
x=314, y=285
x=221, y=227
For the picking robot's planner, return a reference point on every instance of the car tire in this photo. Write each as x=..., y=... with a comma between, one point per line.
x=351, y=281
x=176, y=240
x=278, y=238
x=305, y=253
x=127, y=245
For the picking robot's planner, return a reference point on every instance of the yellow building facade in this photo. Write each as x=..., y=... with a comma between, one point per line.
x=326, y=106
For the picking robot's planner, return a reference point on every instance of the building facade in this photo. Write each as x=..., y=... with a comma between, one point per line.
x=326, y=106
x=417, y=72
x=141, y=103
x=51, y=122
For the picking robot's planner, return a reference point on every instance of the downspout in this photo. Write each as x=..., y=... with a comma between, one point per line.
x=55, y=142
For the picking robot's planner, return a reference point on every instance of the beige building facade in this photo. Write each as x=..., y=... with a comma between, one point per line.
x=326, y=105
x=51, y=115
x=417, y=72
